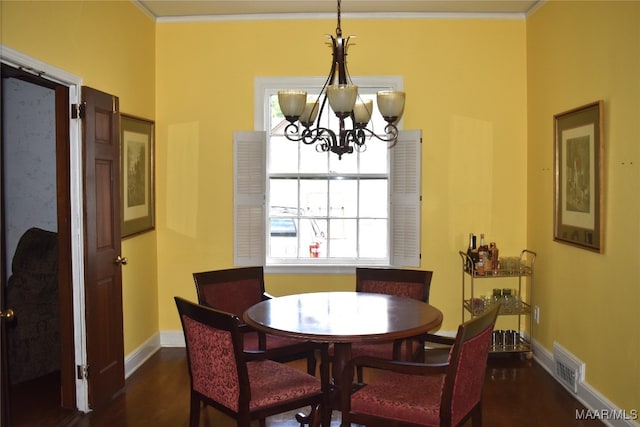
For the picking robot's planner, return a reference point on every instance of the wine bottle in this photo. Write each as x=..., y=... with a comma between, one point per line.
x=493, y=250
x=472, y=253
x=483, y=256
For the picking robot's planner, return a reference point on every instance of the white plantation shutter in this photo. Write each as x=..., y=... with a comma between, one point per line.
x=249, y=198
x=406, y=198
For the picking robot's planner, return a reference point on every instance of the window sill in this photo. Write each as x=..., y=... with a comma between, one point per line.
x=315, y=269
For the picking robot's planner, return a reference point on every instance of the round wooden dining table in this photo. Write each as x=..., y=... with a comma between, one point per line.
x=343, y=318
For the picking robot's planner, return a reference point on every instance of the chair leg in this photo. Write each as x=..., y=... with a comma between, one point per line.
x=326, y=411
x=320, y=415
x=360, y=374
x=316, y=417
x=194, y=411
x=311, y=365
x=313, y=418
x=476, y=415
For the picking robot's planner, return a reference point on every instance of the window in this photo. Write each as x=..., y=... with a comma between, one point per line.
x=295, y=206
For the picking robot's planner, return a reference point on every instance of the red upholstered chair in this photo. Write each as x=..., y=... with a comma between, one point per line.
x=419, y=394
x=234, y=291
x=244, y=385
x=392, y=281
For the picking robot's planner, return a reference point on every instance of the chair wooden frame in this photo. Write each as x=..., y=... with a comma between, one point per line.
x=316, y=397
x=467, y=331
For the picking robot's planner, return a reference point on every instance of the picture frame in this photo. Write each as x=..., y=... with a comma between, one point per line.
x=579, y=177
x=137, y=173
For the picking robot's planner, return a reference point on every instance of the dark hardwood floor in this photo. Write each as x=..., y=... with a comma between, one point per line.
x=37, y=399
x=517, y=393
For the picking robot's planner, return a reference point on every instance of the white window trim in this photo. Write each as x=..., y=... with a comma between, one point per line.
x=404, y=236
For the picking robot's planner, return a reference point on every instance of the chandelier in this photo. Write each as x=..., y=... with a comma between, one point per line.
x=342, y=94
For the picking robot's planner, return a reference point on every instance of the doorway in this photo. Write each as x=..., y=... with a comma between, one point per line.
x=89, y=239
x=36, y=236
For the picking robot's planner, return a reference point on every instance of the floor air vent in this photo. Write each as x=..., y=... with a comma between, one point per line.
x=569, y=369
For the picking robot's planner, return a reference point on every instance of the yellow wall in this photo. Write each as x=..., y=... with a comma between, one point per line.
x=577, y=53
x=466, y=89
x=484, y=93
x=111, y=46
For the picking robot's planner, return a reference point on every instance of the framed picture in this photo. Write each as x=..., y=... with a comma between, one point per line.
x=136, y=175
x=578, y=178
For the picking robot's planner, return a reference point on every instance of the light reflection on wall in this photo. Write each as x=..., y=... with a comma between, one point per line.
x=182, y=178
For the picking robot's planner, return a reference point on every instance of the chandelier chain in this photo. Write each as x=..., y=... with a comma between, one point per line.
x=339, y=28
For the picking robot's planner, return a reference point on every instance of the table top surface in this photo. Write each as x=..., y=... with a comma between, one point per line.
x=343, y=317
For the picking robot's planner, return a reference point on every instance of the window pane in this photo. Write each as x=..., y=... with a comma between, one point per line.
x=283, y=218
x=348, y=163
x=342, y=238
x=312, y=238
x=374, y=159
x=283, y=237
x=314, y=197
x=373, y=198
x=342, y=202
x=283, y=155
x=277, y=122
x=312, y=161
x=283, y=194
x=373, y=238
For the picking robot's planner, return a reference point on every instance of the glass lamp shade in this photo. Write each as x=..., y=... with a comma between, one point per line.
x=292, y=102
x=310, y=112
x=362, y=112
x=342, y=97
x=391, y=103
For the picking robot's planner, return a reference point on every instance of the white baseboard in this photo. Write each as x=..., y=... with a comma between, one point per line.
x=172, y=338
x=136, y=358
x=598, y=406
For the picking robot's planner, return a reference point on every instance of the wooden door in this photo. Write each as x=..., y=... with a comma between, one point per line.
x=103, y=278
x=4, y=313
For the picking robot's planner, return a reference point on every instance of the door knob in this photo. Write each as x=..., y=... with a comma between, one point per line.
x=121, y=260
x=8, y=314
